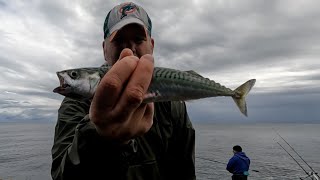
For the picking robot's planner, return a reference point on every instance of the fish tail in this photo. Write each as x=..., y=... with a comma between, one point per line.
x=240, y=95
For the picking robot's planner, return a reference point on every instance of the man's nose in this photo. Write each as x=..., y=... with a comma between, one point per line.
x=131, y=45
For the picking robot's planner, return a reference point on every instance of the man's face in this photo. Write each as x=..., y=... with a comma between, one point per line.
x=131, y=36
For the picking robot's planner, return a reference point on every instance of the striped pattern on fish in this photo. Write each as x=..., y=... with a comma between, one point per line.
x=166, y=85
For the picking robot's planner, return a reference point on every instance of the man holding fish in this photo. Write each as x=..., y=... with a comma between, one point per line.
x=114, y=134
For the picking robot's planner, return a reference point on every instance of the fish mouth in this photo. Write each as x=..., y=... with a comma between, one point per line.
x=64, y=88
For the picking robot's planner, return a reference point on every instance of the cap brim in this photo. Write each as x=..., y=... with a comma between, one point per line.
x=122, y=24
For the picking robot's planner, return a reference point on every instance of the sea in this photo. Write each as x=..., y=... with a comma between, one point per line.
x=25, y=150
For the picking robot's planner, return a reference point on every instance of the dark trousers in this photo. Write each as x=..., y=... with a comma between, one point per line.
x=239, y=177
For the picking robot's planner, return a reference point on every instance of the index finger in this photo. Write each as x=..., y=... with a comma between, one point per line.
x=137, y=86
x=112, y=83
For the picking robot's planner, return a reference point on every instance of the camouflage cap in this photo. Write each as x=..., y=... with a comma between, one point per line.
x=124, y=14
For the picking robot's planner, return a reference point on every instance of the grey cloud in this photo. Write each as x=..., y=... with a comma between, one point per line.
x=30, y=114
x=2, y=4
x=56, y=13
x=271, y=35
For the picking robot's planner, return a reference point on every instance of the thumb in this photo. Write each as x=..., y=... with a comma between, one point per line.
x=125, y=52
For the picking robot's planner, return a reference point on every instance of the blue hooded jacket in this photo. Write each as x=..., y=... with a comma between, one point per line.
x=239, y=163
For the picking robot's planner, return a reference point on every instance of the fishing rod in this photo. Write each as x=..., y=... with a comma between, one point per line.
x=295, y=151
x=309, y=176
x=293, y=158
x=211, y=160
x=316, y=177
x=221, y=163
x=313, y=173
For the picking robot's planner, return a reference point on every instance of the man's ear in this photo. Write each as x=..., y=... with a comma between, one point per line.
x=152, y=43
x=104, y=50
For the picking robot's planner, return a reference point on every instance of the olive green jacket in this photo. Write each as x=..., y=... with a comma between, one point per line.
x=165, y=152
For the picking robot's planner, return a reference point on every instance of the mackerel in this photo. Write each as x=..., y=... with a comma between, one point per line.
x=166, y=85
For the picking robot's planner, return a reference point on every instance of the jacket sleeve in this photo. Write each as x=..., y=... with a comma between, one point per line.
x=182, y=145
x=64, y=151
x=230, y=165
x=76, y=139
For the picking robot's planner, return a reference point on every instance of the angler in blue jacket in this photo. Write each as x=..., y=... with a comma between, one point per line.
x=239, y=164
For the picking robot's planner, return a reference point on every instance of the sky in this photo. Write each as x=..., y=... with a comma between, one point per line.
x=275, y=42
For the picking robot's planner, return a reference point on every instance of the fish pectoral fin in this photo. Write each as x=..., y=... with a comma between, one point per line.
x=150, y=96
x=241, y=93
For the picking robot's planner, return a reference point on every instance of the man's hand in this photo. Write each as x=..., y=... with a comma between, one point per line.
x=117, y=109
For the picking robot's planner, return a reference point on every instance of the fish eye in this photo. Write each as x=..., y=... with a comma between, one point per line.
x=73, y=74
